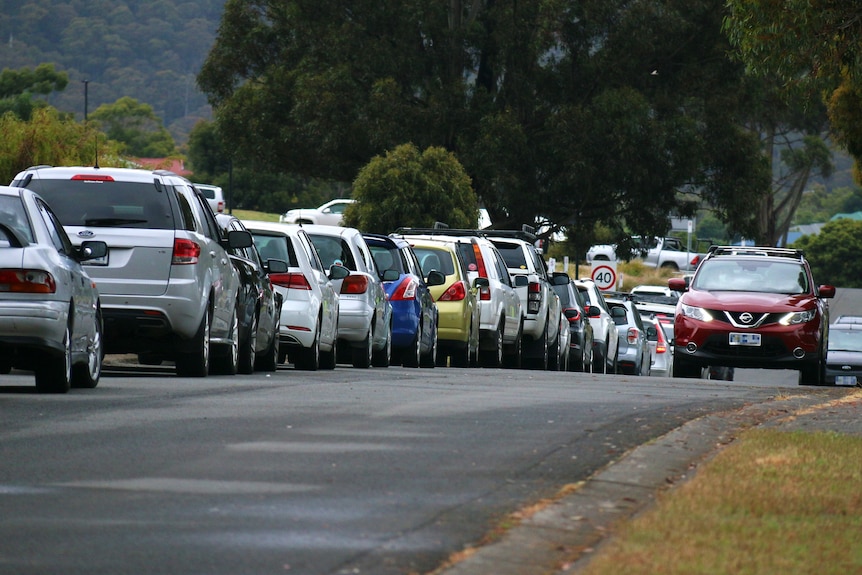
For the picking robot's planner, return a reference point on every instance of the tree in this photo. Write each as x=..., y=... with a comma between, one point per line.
x=17, y=88
x=834, y=253
x=50, y=137
x=576, y=112
x=409, y=188
x=136, y=126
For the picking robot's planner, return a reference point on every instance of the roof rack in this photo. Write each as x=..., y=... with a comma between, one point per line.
x=526, y=233
x=755, y=251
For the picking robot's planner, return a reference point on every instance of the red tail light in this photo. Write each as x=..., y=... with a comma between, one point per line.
x=632, y=335
x=294, y=280
x=661, y=344
x=485, y=293
x=406, y=290
x=694, y=260
x=480, y=263
x=456, y=292
x=185, y=252
x=27, y=281
x=93, y=178
x=534, y=297
x=354, y=284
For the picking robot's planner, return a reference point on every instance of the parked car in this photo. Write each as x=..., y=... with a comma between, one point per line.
x=539, y=303
x=500, y=312
x=633, y=357
x=414, y=313
x=657, y=252
x=754, y=307
x=364, y=313
x=214, y=196
x=661, y=350
x=844, y=358
x=659, y=302
x=580, y=348
x=605, y=336
x=458, y=323
x=329, y=214
x=167, y=286
x=258, y=302
x=308, y=322
x=50, y=313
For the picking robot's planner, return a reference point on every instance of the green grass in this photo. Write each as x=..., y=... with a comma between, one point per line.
x=773, y=502
x=252, y=215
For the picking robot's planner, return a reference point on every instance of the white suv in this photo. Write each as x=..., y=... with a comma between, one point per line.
x=605, y=337
x=167, y=285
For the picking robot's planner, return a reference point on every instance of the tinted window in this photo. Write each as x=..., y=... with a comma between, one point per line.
x=332, y=249
x=386, y=259
x=434, y=259
x=13, y=215
x=106, y=204
x=275, y=248
x=563, y=293
x=513, y=253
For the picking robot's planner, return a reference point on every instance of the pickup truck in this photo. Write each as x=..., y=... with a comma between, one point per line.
x=666, y=252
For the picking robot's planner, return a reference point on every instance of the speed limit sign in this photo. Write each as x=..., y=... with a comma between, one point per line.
x=604, y=275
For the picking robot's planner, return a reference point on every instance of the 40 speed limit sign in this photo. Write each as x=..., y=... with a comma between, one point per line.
x=604, y=275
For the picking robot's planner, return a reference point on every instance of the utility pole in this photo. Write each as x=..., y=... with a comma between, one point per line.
x=86, y=86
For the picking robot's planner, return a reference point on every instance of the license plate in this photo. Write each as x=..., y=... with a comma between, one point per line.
x=845, y=380
x=752, y=339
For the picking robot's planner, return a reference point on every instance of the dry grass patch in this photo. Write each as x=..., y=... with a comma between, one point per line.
x=773, y=502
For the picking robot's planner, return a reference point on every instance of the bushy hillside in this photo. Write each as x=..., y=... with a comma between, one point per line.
x=150, y=50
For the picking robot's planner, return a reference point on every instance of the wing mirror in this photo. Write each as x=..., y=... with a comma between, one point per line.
x=276, y=266
x=481, y=282
x=390, y=275
x=338, y=272
x=435, y=278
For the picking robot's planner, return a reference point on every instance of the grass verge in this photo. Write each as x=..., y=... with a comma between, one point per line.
x=773, y=502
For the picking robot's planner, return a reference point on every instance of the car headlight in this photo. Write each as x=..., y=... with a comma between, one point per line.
x=696, y=313
x=798, y=317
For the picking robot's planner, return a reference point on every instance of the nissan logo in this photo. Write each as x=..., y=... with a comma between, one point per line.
x=86, y=234
x=745, y=317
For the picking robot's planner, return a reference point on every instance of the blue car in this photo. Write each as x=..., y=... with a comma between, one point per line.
x=414, y=313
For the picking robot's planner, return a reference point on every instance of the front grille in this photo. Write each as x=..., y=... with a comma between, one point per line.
x=745, y=319
x=770, y=347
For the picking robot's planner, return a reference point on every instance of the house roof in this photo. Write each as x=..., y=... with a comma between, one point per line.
x=175, y=165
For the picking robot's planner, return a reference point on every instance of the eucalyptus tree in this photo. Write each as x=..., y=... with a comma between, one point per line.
x=622, y=112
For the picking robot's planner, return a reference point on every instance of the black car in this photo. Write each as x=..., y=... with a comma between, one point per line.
x=258, y=305
x=580, y=330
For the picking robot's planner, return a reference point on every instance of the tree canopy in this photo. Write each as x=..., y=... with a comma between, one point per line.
x=574, y=112
x=834, y=253
x=407, y=187
x=136, y=126
x=18, y=88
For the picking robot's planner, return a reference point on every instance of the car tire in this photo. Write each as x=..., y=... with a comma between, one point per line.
x=513, y=356
x=308, y=359
x=86, y=375
x=328, y=359
x=554, y=353
x=383, y=356
x=247, y=351
x=813, y=373
x=268, y=361
x=227, y=362
x=362, y=354
x=687, y=369
x=429, y=359
x=54, y=373
x=412, y=356
x=197, y=362
x=493, y=358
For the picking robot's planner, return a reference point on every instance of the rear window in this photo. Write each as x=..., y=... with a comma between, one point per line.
x=275, y=248
x=106, y=204
x=513, y=253
x=332, y=250
x=434, y=259
x=563, y=293
x=14, y=217
x=386, y=258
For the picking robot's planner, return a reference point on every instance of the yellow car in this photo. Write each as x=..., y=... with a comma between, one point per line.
x=458, y=309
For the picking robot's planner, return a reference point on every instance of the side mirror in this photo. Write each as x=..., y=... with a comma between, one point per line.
x=677, y=284
x=338, y=272
x=91, y=250
x=435, y=278
x=651, y=332
x=481, y=282
x=826, y=291
x=390, y=275
x=521, y=281
x=593, y=311
x=237, y=239
x=276, y=266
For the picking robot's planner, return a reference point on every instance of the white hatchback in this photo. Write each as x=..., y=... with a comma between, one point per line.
x=308, y=326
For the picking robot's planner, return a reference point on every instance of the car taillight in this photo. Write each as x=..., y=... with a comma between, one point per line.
x=354, y=284
x=185, y=252
x=27, y=281
x=632, y=335
x=220, y=207
x=480, y=263
x=694, y=260
x=534, y=297
x=406, y=290
x=485, y=293
x=456, y=292
x=572, y=314
x=93, y=178
x=293, y=280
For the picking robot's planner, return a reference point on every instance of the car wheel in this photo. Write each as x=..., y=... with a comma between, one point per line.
x=227, y=363
x=269, y=360
x=247, y=352
x=513, y=355
x=149, y=359
x=554, y=353
x=383, y=356
x=362, y=354
x=494, y=357
x=412, y=356
x=813, y=373
x=86, y=375
x=683, y=368
x=308, y=359
x=197, y=363
x=54, y=373
x=429, y=359
x=328, y=359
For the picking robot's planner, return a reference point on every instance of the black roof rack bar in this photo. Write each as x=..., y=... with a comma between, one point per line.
x=518, y=234
x=756, y=251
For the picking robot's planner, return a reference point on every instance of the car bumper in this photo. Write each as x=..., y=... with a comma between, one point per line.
x=405, y=322
x=297, y=324
x=33, y=325
x=453, y=321
x=354, y=319
x=837, y=376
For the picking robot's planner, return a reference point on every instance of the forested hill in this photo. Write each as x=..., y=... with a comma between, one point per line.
x=150, y=50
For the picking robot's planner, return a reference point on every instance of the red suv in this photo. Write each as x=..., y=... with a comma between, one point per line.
x=754, y=307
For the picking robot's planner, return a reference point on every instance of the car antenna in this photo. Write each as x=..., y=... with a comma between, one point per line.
x=97, y=152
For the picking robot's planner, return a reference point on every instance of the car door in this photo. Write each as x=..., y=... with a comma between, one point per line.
x=512, y=301
x=328, y=293
x=382, y=308
x=423, y=294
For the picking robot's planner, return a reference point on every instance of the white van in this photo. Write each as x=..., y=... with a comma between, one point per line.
x=214, y=196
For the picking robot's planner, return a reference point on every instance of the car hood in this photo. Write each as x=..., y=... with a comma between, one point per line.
x=749, y=301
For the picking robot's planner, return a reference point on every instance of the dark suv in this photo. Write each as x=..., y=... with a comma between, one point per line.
x=167, y=285
x=754, y=307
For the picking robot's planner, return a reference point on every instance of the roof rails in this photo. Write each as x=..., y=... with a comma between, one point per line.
x=755, y=251
x=526, y=233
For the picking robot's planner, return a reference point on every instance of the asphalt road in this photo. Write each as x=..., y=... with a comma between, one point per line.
x=352, y=471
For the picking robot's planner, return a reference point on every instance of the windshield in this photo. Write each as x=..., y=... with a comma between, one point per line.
x=752, y=274
x=845, y=340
